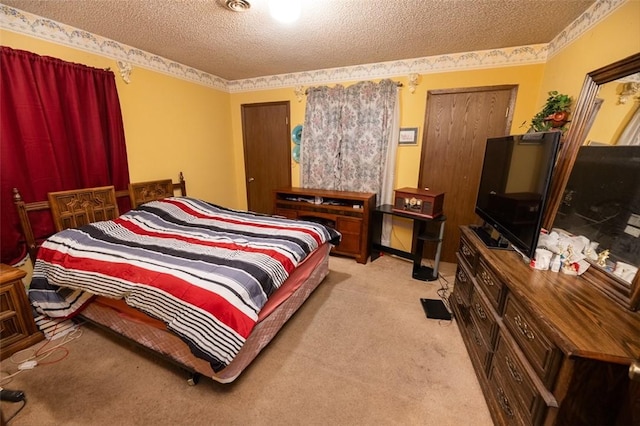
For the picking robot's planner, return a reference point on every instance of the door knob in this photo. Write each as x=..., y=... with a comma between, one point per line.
x=634, y=371
x=251, y=179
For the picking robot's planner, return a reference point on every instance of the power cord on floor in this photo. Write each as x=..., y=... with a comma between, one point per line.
x=443, y=293
x=37, y=356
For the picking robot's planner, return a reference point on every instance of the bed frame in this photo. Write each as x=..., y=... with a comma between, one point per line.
x=75, y=208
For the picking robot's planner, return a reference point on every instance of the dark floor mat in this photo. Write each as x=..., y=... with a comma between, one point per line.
x=435, y=309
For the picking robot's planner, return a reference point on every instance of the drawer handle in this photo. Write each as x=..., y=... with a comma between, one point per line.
x=504, y=402
x=513, y=370
x=466, y=251
x=462, y=277
x=481, y=311
x=524, y=328
x=486, y=278
x=477, y=338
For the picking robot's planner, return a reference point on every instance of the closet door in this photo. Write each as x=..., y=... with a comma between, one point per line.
x=457, y=124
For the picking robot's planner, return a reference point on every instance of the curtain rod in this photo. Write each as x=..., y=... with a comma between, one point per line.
x=311, y=89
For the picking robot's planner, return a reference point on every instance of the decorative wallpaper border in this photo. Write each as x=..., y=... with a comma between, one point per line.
x=35, y=26
x=594, y=14
x=426, y=65
x=15, y=20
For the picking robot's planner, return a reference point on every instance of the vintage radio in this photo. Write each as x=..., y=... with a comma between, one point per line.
x=420, y=202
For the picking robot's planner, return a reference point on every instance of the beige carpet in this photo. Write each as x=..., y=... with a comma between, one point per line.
x=359, y=352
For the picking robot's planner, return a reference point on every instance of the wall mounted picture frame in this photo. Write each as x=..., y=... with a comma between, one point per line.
x=408, y=136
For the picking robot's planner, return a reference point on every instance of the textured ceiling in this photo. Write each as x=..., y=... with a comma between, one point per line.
x=205, y=35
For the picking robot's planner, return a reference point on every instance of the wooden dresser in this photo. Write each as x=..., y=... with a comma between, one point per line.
x=18, y=329
x=347, y=212
x=547, y=348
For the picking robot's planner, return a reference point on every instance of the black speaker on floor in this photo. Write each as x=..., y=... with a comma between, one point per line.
x=435, y=309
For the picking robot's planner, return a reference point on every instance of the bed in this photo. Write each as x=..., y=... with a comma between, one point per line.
x=204, y=286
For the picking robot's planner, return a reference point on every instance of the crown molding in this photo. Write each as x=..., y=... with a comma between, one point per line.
x=18, y=21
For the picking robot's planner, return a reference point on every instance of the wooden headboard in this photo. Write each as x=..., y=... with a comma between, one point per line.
x=78, y=207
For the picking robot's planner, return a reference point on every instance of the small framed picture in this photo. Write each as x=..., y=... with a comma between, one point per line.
x=408, y=136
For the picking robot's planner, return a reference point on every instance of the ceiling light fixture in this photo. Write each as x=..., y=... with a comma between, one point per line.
x=238, y=5
x=285, y=11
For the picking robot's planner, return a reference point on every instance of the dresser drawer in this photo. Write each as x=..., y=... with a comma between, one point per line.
x=494, y=288
x=469, y=254
x=509, y=409
x=480, y=346
x=351, y=235
x=460, y=308
x=350, y=243
x=530, y=394
x=288, y=213
x=484, y=317
x=349, y=225
x=541, y=353
x=10, y=330
x=463, y=284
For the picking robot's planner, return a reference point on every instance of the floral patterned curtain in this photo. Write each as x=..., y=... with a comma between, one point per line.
x=321, y=137
x=348, y=135
x=366, y=122
x=350, y=139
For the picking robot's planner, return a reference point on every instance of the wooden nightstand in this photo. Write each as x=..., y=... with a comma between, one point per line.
x=17, y=328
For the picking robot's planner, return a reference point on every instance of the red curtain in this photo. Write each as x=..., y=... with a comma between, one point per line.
x=60, y=128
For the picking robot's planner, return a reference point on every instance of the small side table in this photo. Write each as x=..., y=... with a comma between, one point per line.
x=421, y=234
x=19, y=330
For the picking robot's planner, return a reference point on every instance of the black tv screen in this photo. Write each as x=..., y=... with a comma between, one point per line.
x=515, y=179
x=602, y=200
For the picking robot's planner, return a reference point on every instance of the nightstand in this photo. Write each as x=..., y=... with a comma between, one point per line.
x=18, y=330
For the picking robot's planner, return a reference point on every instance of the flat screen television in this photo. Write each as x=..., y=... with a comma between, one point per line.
x=514, y=184
x=602, y=200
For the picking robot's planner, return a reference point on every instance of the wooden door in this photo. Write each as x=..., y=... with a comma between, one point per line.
x=267, y=152
x=457, y=124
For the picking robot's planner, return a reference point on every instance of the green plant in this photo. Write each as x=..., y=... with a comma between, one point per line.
x=554, y=114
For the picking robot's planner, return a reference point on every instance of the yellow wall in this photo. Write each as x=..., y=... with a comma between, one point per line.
x=614, y=38
x=171, y=125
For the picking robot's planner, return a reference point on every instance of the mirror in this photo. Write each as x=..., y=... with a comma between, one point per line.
x=587, y=108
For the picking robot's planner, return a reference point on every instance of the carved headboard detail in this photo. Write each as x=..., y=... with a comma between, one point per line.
x=74, y=208
x=143, y=192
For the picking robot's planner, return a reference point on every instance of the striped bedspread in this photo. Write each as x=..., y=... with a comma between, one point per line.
x=206, y=271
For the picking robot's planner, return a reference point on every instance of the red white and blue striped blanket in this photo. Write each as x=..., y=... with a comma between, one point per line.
x=205, y=270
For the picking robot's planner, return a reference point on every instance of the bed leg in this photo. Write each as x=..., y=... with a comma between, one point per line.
x=193, y=379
